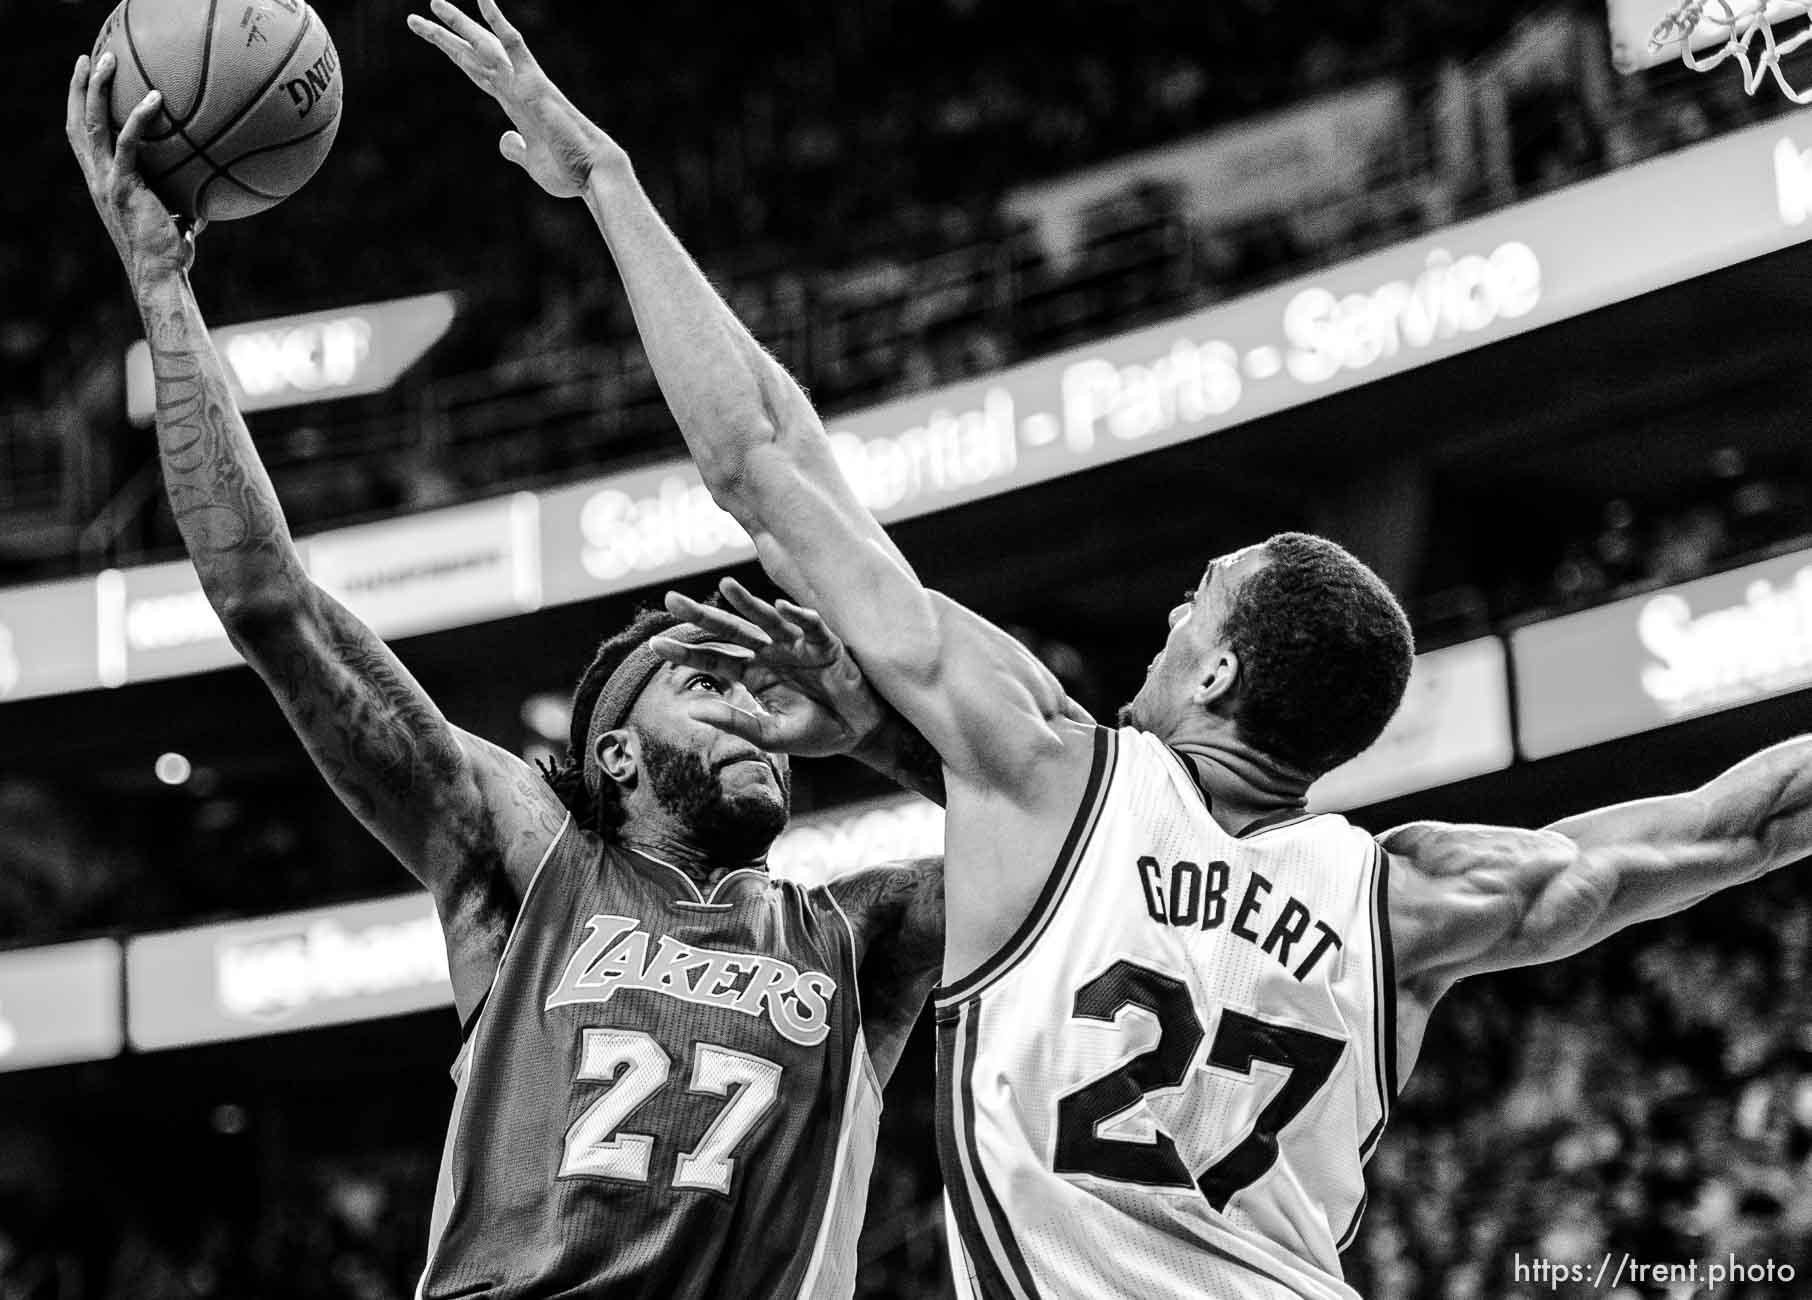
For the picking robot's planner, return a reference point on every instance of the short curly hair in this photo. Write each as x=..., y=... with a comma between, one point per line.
x=1324, y=652
x=599, y=811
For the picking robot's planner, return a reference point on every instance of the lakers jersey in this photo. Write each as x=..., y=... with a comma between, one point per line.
x=666, y=1094
x=1167, y=1082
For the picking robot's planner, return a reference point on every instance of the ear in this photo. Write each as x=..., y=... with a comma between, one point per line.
x=619, y=755
x=1214, y=691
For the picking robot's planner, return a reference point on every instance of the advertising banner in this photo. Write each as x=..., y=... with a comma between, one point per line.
x=59, y=1004
x=437, y=569
x=633, y=530
x=48, y=640
x=289, y=360
x=1454, y=724
x=819, y=846
x=1711, y=644
x=154, y=621
x=276, y=974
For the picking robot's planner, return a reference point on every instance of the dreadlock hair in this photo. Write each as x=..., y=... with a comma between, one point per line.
x=1324, y=653
x=599, y=811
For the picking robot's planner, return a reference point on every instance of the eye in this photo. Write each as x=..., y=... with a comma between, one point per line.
x=707, y=680
x=1189, y=595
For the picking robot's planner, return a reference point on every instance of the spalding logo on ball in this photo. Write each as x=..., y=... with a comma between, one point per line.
x=252, y=92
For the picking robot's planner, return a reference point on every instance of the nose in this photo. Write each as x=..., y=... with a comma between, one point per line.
x=1176, y=614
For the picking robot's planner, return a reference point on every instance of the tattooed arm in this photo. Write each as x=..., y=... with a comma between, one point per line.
x=468, y=819
x=897, y=913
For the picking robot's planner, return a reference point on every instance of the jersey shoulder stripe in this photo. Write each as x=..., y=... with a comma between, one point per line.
x=1384, y=999
x=1056, y=885
x=1352, y=1229
x=1387, y=981
x=1000, y=1266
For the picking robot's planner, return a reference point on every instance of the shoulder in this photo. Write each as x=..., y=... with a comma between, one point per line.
x=880, y=900
x=521, y=810
x=1456, y=888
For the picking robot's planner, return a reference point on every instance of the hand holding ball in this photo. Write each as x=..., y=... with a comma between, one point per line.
x=251, y=98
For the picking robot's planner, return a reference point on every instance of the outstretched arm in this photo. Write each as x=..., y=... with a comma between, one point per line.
x=468, y=819
x=991, y=710
x=1483, y=898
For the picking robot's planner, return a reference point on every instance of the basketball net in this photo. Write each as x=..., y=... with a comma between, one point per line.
x=1741, y=26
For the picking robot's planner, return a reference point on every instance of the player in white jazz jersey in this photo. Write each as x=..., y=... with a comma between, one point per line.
x=1169, y=1078
x=1175, y=1008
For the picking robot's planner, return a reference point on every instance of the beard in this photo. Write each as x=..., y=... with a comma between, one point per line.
x=739, y=825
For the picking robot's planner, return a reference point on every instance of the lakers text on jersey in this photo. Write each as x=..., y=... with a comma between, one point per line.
x=666, y=1094
x=1167, y=1083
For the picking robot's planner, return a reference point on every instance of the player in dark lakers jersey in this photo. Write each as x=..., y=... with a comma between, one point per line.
x=672, y=1087
x=1177, y=1006
x=670, y=1080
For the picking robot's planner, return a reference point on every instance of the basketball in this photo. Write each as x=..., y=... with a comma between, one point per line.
x=251, y=98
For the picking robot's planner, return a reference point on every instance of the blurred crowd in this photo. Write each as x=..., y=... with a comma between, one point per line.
x=1715, y=524
x=1653, y=1096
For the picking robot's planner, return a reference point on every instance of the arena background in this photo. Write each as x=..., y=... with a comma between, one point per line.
x=1094, y=290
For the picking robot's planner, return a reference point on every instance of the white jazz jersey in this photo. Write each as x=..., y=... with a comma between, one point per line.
x=1168, y=1082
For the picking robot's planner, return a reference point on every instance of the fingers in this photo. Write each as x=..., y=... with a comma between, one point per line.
x=513, y=147
x=75, y=128
x=443, y=40
x=756, y=610
x=96, y=119
x=125, y=151
x=720, y=661
x=463, y=25
x=507, y=35
x=719, y=623
x=726, y=717
x=815, y=627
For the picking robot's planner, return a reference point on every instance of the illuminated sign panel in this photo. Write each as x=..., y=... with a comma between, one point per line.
x=59, y=1004
x=154, y=621
x=632, y=530
x=437, y=569
x=48, y=639
x=290, y=360
x=822, y=845
x=1711, y=644
x=1454, y=724
x=281, y=973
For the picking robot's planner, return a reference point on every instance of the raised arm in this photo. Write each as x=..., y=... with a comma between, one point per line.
x=1470, y=899
x=469, y=820
x=995, y=715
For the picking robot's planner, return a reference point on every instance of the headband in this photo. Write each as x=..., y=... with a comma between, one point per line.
x=624, y=686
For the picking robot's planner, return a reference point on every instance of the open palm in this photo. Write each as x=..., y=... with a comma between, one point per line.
x=553, y=141
x=814, y=699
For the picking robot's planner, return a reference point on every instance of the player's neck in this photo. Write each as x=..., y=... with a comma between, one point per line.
x=1242, y=783
x=703, y=866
